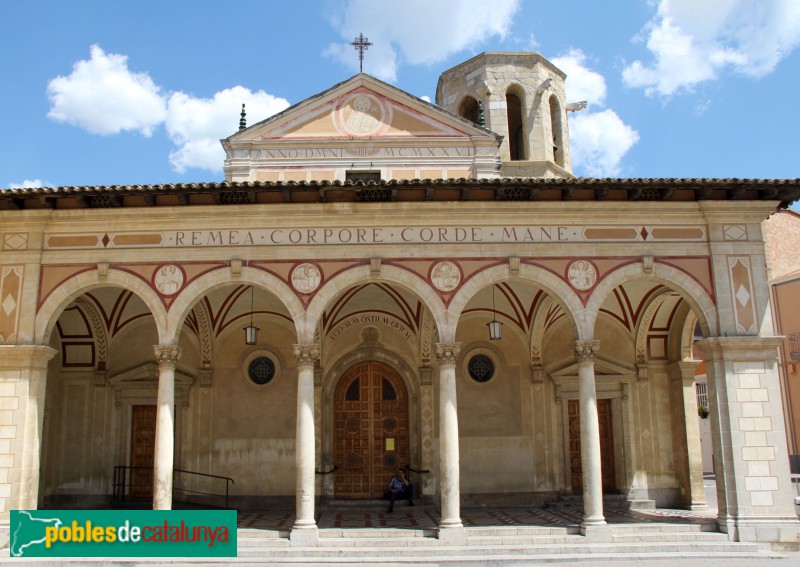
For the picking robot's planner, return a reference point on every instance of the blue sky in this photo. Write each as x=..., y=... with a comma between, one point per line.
x=102, y=93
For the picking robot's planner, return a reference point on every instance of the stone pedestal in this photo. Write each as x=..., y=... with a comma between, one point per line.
x=167, y=357
x=754, y=490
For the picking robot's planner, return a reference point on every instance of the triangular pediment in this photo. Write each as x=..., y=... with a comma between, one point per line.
x=602, y=367
x=362, y=108
x=146, y=375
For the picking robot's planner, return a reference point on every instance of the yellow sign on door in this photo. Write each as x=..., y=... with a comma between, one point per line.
x=390, y=443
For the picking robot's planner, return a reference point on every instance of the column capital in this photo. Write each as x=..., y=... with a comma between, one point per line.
x=684, y=369
x=586, y=351
x=306, y=355
x=27, y=356
x=167, y=355
x=447, y=353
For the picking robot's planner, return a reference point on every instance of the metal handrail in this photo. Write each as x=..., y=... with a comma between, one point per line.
x=122, y=486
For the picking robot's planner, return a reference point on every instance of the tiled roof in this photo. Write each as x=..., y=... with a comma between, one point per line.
x=501, y=189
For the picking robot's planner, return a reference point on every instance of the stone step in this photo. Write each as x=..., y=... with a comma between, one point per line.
x=521, y=530
x=375, y=533
x=664, y=527
x=536, y=540
x=434, y=553
x=652, y=537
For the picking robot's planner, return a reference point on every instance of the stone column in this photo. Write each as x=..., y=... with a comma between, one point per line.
x=686, y=433
x=751, y=463
x=451, y=530
x=304, y=530
x=167, y=357
x=23, y=375
x=585, y=352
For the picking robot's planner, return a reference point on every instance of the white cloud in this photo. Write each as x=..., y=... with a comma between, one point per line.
x=599, y=139
x=693, y=41
x=196, y=125
x=28, y=184
x=582, y=82
x=423, y=32
x=103, y=96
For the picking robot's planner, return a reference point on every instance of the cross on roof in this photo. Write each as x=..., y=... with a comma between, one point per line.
x=362, y=44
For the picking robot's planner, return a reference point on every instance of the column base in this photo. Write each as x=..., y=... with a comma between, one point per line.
x=597, y=532
x=452, y=534
x=780, y=530
x=304, y=535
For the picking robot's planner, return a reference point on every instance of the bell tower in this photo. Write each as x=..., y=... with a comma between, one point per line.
x=521, y=97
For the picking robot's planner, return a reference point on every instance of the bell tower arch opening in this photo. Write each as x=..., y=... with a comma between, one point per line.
x=516, y=125
x=557, y=130
x=469, y=109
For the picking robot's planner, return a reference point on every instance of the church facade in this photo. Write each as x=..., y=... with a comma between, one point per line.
x=419, y=285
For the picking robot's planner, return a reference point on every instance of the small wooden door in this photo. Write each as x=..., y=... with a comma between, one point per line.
x=370, y=429
x=606, y=445
x=143, y=442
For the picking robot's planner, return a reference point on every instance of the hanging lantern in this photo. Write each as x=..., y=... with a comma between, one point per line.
x=251, y=332
x=495, y=326
x=495, y=330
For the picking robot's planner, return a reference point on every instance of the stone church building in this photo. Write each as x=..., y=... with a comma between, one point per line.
x=384, y=282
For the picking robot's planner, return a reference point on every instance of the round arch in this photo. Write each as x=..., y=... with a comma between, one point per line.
x=691, y=291
x=363, y=274
x=377, y=354
x=550, y=283
x=77, y=285
x=221, y=277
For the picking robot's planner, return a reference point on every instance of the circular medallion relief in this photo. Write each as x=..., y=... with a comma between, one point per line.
x=168, y=279
x=362, y=115
x=306, y=278
x=445, y=276
x=582, y=275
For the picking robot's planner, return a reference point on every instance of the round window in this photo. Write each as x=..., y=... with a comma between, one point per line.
x=261, y=370
x=481, y=368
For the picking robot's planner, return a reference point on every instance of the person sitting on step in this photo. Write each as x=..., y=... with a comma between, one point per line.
x=400, y=487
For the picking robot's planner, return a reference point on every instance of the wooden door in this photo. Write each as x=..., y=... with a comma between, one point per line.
x=370, y=428
x=143, y=442
x=606, y=445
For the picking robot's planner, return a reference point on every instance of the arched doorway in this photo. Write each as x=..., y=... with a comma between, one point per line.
x=370, y=429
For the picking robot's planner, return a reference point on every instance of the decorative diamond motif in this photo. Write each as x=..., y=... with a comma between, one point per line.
x=9, y=304
x=16, y=241
x=105, y=241
x=644, y=234
x=735, y=232
x=742, y=296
